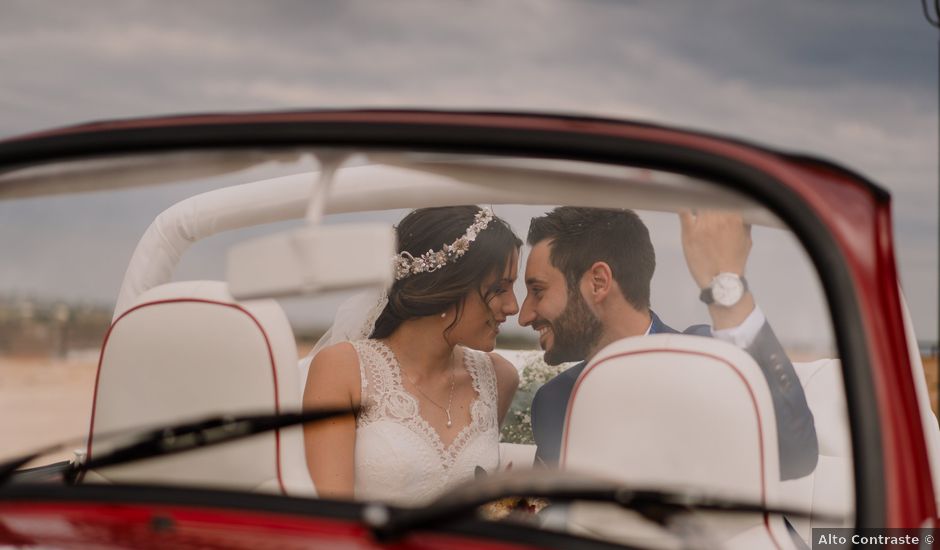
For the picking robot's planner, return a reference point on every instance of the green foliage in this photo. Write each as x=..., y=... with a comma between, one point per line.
x=517, y=428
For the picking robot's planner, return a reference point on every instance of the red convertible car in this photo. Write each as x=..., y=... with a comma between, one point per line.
x=172, y=273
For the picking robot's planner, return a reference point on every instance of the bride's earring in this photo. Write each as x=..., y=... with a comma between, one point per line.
x=443, y=315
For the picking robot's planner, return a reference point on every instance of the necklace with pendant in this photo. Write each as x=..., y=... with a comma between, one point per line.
x=450, y=396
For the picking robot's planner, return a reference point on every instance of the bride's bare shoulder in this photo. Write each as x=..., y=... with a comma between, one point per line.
x=506, y=372
x=337, y=352
x=336, y=364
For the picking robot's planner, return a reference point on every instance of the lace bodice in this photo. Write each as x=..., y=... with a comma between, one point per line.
x=399, y=457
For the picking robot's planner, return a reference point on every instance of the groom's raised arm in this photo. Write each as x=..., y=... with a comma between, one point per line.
x=796, y=430
x=716, y=243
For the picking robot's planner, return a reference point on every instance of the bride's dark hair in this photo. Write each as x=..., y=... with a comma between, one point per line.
x=424, y=294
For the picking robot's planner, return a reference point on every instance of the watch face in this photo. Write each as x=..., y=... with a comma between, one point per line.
x=727, y=289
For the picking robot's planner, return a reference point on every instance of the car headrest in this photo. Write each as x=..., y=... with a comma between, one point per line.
x=674, y=410
x=188, y=350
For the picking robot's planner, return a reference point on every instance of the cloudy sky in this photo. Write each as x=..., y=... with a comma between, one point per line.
x=851, y=80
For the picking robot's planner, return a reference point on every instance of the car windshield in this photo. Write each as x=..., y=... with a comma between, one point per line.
x=487, y=316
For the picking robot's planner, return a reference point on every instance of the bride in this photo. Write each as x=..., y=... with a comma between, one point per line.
x=432, y=395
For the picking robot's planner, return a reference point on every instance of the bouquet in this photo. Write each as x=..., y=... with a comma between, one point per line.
x=517, y=427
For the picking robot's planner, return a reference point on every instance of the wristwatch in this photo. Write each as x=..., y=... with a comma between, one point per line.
x=725, y=290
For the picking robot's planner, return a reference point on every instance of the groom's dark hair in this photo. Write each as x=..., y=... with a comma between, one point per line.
x=581, y=236
x=430, y=293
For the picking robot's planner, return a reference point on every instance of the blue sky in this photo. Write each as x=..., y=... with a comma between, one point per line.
x=854, y=81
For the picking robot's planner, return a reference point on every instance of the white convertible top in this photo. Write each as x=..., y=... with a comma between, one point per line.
x=410, y=184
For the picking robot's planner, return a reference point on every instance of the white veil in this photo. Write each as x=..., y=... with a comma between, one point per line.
x=354, y=320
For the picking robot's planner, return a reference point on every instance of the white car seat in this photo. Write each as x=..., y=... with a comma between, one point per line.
x=188, y=350
x=678, y=412
x=829, y=490
x=516, y=456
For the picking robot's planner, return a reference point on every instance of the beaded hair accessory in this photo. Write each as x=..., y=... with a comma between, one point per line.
x=407, y=265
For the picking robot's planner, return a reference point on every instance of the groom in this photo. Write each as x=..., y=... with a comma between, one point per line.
x=588, y=284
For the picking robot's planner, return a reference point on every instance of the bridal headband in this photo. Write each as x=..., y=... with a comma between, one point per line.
x=407, y=265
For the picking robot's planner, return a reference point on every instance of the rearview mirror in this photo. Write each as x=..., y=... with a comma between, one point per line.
x=312, y=259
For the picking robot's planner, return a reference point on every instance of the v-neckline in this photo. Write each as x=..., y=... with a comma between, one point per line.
x=451, y=449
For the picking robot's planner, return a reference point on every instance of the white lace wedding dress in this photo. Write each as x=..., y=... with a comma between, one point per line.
x=399, y=457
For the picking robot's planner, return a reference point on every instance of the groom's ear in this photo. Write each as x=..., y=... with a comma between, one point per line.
x=597, y=282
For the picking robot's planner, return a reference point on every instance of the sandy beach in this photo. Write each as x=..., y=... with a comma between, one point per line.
x=44, y=401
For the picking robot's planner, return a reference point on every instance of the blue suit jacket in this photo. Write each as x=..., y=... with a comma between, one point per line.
x=796, y=432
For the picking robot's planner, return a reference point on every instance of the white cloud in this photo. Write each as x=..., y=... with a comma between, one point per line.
x=843, y=84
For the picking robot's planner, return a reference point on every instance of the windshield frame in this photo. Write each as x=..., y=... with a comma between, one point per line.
x=772, y=179
x=161, y=500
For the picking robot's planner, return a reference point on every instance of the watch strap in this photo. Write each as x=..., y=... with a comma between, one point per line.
x=706, y=295
x=708, y=298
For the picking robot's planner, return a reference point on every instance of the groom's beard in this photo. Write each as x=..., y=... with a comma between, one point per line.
x=576, y=331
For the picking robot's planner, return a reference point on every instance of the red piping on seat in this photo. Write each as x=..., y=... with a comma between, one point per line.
x=267, y=342
x=760, y=431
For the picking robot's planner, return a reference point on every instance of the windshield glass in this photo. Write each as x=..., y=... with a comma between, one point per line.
x=484, y=314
